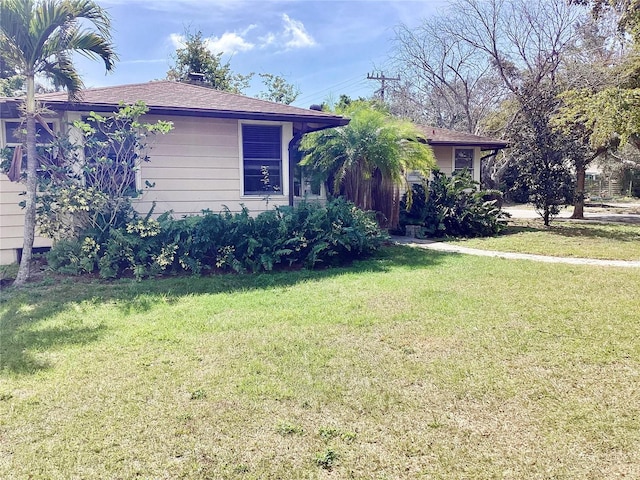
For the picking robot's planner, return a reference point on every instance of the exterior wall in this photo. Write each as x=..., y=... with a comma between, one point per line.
x=198, y=165
x=444, y=158
x=446, y=162
x=12, y=215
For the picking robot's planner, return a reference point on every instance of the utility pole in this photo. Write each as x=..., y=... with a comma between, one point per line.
x=382, y=79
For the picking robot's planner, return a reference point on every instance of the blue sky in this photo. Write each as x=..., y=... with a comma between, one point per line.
x=324, y=47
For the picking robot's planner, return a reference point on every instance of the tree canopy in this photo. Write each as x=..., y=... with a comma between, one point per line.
x=194, y=62
x=278, y=89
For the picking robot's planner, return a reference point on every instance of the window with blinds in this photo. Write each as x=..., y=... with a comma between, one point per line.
x=262, y=159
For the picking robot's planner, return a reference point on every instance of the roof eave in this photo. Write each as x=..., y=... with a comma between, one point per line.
x=482, y=145
x=204, y=112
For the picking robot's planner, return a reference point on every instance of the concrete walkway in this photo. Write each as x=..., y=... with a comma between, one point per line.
x=605, y=215
x=447, y=247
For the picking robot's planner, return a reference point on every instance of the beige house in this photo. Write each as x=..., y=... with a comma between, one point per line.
x=455, y=151
x=212, y=158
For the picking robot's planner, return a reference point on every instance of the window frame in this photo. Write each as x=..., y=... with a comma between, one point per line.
x=138, y=167
x=53, y=123
x=284, y=149
x=455, y=170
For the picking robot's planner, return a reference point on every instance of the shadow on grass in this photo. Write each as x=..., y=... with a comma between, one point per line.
x=21, y=336
x=567, y=228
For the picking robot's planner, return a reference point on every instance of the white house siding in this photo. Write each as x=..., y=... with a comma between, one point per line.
x=12, y=215
x=198, y=166
x=12, y=222
x=445, y=158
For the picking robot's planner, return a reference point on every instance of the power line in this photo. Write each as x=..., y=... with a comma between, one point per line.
x=342, y=85
x=382, y=79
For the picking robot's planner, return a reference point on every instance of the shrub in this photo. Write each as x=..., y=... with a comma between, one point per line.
x=452, y=206
x=307, y=235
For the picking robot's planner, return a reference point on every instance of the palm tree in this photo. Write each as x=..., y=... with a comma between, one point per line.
x=367, y=160
x=38, y=38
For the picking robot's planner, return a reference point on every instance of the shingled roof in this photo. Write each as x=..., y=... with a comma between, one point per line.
x=176, y=98
x=441, y=136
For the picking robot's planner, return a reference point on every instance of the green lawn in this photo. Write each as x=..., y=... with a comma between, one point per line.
x=564, y=238
x=415, y=364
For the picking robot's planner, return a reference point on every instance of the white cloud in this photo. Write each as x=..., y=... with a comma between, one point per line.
x=229, y=43
x=295, y=35
x=267, y=40
x=292, y=35
x=177, y=40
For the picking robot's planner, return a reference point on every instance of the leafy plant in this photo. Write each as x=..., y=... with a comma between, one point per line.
x=286, y=428
x=307, y=235
x=452, y=206
x=327, y=459
x=86, y=187
x=367, y=160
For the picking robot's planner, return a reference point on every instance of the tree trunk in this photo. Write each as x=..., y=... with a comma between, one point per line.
x=578, y=208
x=32, y=166
x=546, y=215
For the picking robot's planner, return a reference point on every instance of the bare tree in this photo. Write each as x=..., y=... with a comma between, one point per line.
x=447, y=82
x=526, y=42
x=594, y=60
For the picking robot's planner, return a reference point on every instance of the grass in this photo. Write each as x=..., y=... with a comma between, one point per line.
x=607, y=241
x=415, y=364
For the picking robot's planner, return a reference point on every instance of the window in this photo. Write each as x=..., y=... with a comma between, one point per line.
x=111, y=158
x=15, y=130
x=463, y=160
x=262, y=159
x=14, y=134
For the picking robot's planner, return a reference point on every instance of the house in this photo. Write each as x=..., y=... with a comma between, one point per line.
x=212, y=158
x=455, y=151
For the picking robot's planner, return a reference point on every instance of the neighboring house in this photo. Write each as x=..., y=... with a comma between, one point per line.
x=455, y=151
x=211, y=159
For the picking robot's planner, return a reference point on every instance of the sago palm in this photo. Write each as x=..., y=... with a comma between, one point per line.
x=368, y=159
x=39, y=38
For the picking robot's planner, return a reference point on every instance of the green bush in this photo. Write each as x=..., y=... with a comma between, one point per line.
x=307, y=235
x=452, y=206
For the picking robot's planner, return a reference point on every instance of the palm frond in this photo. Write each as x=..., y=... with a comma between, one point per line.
x=63, y=74
x=90, y=10
x=15, y=40
x=85, y=42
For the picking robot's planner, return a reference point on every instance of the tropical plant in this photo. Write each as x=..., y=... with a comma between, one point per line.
x=453, y=206
x=86, y=185
x=39, y=37
x=306, y=235
x=368, y=159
